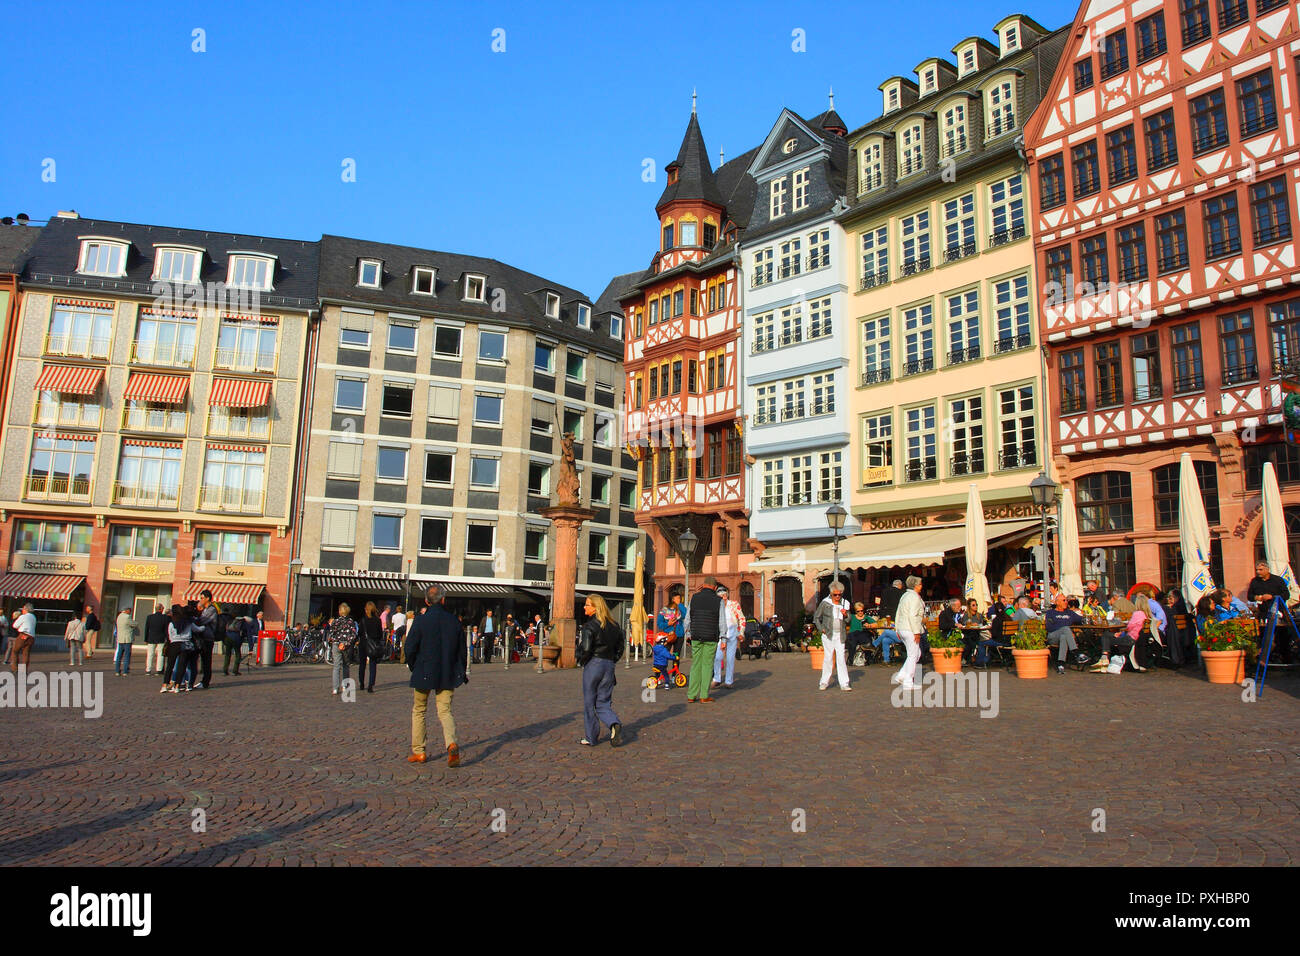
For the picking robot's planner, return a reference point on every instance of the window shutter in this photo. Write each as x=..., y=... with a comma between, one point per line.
x=604, y=372
x=345, y=458
x=357, y=323
x=339, y=529
x=444, y=402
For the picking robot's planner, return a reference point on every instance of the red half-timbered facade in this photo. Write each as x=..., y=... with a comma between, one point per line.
x=1164, y=180
x=683, y=406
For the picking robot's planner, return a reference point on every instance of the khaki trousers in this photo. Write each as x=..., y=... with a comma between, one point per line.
x=419, y=715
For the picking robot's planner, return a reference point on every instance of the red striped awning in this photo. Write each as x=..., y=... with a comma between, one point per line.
x=239, y=393
x=151, y=387
x=264, y=319
x=225, y=592
x=218, y=446
x=69, y=379
x=84, y=304
x=187, y=316
x=64, y=436
x=146, y=443
x=41, y=587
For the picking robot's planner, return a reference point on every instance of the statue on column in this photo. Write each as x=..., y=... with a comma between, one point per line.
x=567, y=490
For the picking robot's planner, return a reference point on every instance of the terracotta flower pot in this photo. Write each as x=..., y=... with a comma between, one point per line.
x=945, y=660
x=1224, y=667
x=1031, y=664
x=815, y=656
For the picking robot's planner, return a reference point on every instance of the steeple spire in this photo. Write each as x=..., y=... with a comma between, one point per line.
x=832, y=98
x=692, y=101
x=689, y=175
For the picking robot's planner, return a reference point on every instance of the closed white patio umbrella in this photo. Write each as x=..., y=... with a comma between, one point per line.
x=1276, y=552
x=1193, y=535
x=977, y=550
x=1070, y=582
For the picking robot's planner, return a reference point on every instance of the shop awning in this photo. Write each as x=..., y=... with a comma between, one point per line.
x=151, y=387
x=797, y=558
x=464, y=588
x=917, y=546
x=239, y=393
x=359, y=581
x=69, y=379
x=41, y=587
x=225, y=592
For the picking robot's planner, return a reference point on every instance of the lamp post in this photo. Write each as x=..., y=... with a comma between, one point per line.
x=1043, y=490
x=294, y=566
x=686, y=545
x=835, y=517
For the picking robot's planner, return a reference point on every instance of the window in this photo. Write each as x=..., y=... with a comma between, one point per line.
x=444, y=402
x=491, y=346
x=1114, y=54
x=101, y=258
x=920, y=436
x=667, y=244
x=1104, y=502
x=1222, y=231
x=1131, y=246
x=878, y=449
x=677, y=377
x=927, y=81
x=823, y=394
x=1074, y=393
x=535, y=544
x=1171, y=241
x=819, y=318
x=791, y=325
x=1083, y=75
x=487, y=408
x=954, y=129
x=876, y=366
x=654, y=312
x=1185, y=350
x=1051, y=181
x=390, y=463
x=344, y=459
x=616, y=321
x=544, y=358
x=397, y=400
x=689, y=233
x=539, y=478
x=873, y=168
x=446, y=341
x=791, y=260
x=434, y=533
x=1145, y=349
x=1011, y=302
x=959, y=227
x=483, y=471
x=584, y=315
x=800, y=188
x=819, y=249
x=422, y=280
x=354, y=338
x=1269, y=211
x=794, y=400
x=965, y=427
x=773, y=484
x=765, y=404
x=918, y=339
x=1162, y=144
x=1010, y=40
x=627, y=494
x=1059, y=269
x=1086, y=178
x=160, y=543
x=765, y=332
x=176, y=265
x=575, y=366
x=480, y=539
x=80, y=330
x=1255, y=103
x=626, y=553
x=604, y=430
x=1094, y=261
x=438, y=467
x=234, y=479
x=911, y=151
x=892, y=96
x=1151, y=37
x=963, y=326
x=543, y=422
x=1002, y=110
x=401, y=337
x=475, y=288
x=250, y=272
x=1110, y=376
x=338, y=528
x=1166, y=480
x=53, y=537
x=246, y=346
x=164, y=338
x=1007, y=210
x=369, y=273
x=1237, y=338
x=967, y=60
x=916, y=242
x=386, y=533
x=1232, y=12
x=779, y=202
x=349, y=394
x=1196, y=20
x=1019, y=448
x=61, y=468
x=875, y=257
x=1121, y=155
x=1209, y=122
x=144, y=416
x=573, y=419
x=242, y=423
x=70, y=409
x=600, y=489
x=1286, y=462
x=801, y=480
x=1111, y=568
x=1284, y=332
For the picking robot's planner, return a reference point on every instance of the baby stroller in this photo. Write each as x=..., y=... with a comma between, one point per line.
x=752, y=643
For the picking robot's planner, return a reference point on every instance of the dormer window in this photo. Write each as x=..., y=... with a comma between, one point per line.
x=103, y=257
x=790, y=146
x=1000, y=101
x=710, y=235
x=779, y=199
x=176, y=264
x=552, y=305
x=873, y=168
x=584, y=316
x=474, y=288
x=672, y=175
x=927, y=81
x=422, y=280
x=891, y=99
x=369, y=272
x=1010, y=40
x=968, y=60
x=689, y=234
x=250, y=272
x=911, y=153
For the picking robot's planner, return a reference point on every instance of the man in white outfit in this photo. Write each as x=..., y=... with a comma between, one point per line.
x=734, y=622
x=909, y=621
x=832, y=620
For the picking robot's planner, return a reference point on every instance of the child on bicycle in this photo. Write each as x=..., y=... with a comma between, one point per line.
x=663, y=659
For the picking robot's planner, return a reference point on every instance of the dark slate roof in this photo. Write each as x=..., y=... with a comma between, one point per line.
x=522, y=294
x=828, y=121
x=15, y=243
x=618, y=287
x=695, y=178
x=55, y=255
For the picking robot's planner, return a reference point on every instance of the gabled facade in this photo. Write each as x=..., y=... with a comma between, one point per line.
x=1164, y=180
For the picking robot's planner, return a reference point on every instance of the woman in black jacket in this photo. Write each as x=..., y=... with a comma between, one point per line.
x=599, y=645
x=370, y=646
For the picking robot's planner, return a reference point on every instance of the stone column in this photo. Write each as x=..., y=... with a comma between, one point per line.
x=568, y=521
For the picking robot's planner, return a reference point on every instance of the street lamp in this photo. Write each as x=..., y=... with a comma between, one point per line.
x=1043, y=490
x=686, y=544
x=294, y=567
x=835, y=517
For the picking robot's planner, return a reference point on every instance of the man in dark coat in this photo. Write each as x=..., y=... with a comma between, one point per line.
x=889, y=604
x=435, y=653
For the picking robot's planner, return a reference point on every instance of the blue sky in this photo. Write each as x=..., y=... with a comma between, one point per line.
x=532, y=156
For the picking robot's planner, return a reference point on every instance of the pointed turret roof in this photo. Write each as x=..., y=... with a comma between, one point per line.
x=694, y=174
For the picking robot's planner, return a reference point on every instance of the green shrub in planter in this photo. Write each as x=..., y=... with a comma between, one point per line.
x=1030, y=636
x=939, y=638
x=815, y=641
x=1234, y=634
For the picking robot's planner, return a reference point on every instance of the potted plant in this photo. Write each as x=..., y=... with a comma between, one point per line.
x=815, y=651
x=1223, y=649
x=945, y=649
x=1029, y=648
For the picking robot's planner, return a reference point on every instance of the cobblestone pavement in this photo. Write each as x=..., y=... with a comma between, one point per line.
x=1186, y=773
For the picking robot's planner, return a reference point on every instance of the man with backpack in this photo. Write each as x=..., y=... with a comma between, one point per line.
x=234, y=635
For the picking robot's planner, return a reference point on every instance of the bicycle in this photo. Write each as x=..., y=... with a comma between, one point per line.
x=307, y=647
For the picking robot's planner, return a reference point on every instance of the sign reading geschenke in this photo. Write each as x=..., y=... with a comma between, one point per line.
x=229, y=571
x=27, y=562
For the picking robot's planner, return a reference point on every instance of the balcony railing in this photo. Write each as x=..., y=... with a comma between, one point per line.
x=913, y=266
x=792, y=411
x=1174, y=263
x=790, y=337
x=771, y=501
x=1244, y=372
x=1113, y=67
x=1002, y=236
x=1053, y=198
x=236, y=500
x=1012, y=343
x=55, y=488
x=245, y=360
x=1259, y=124
x=1071, y=404
x=829, y=495
x=761, y=277
x=76, y=346
x=1124, y=172
x=917, y=366
x=876, y=374
x=1018, y=456
x=952, y=145
x=1086, y=182
x=1225, y=247
x=1208, y=139
x=243, y=429
x=1109, y=398
x=157, y=418
x=1137, y=272
x=146, y=496
x=1232, y=12
x=1263, y=6
x=1151, y=50
x=959, y=250
x=818, y=260
x=173, y=355
x=972, y=464
x=821, y=408
x=800, y=498
x=1160, y=158
x=872, y=279
x=763, y=343
x=1274, y=233
x=787, y=271
x=1150, y=392
x=921, y=469
x=766, y=416
x=1195, y=32
x=1190, y=382
x=968, y=354
x=819, y=330
x=68, y=415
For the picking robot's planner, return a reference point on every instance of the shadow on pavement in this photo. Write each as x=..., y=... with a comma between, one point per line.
x=212, y=855
x=9, y=776
x=536, y=729
x=32, y=845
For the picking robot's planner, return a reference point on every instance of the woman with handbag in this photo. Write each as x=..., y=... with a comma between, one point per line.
x=600, y=644
x=372, y=645
x=182, y=650
x=341, y=637
x=74, y=635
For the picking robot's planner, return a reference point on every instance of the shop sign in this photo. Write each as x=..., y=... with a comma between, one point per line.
x=220, y=571
x=127, y=569
x=34, y=563
x=926, y=520
x=878, y=474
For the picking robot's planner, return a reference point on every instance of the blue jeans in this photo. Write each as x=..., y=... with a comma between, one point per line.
x=730, y=656
x=597, y=690
x=122, y=656
x=985, y=648
x=884, y=641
